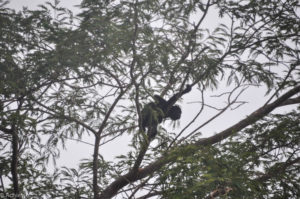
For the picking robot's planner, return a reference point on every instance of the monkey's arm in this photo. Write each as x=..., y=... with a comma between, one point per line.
x=175, y=97
x=161, y=101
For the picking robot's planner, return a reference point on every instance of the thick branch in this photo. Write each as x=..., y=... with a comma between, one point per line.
x=256, y=115
x=15, y=152
x=292, y=101
x=14, y=163
x=122, y=181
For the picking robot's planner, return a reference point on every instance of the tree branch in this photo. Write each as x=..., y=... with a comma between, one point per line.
x=292, y=101
x=97, y=143
x=15, y=151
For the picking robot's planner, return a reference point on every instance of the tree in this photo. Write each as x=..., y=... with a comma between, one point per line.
x=64, y=77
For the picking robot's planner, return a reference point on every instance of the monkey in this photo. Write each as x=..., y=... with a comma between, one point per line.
x=153, y=113
x=168, y=106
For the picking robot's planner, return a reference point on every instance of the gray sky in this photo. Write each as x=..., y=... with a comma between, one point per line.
x=32, y=4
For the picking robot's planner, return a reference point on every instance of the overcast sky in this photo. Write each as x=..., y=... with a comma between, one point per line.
x=32, y=4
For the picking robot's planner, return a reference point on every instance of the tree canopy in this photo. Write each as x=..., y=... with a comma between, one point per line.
x=65, y=77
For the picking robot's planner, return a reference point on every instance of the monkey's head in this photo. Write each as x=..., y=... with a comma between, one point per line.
x=174, y=113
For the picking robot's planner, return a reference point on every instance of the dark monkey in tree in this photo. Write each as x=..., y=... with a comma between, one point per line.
x=154, y=112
